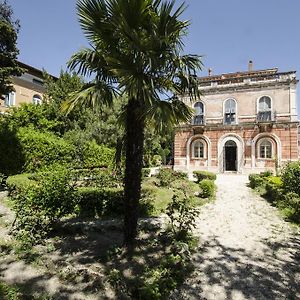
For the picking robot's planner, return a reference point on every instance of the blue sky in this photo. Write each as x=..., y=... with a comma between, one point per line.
x=226, y=32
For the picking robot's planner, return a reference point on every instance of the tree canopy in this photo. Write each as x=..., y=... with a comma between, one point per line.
x=8, y=49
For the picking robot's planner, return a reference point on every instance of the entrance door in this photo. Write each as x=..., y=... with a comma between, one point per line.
x=230, y=153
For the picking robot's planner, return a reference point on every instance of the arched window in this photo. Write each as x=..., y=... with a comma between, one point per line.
x=264, y=109
x=198, y=149
x=37, y=99
x=199, y=114
x=10, y=99
x=230, y=112
x=265, y=149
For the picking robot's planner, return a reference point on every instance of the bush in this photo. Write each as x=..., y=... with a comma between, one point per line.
x=165, y=177
x=102, y=202
x=267, y=173
x=200, y=175
x=16, y=183
x=90, y=201
x=290, y=206
x=207, y=187
x=256, y=181
x=145, y=172
x=156, y=161
x=291, y=177
x=43, y=149
x=95, y=155
x=180, y=175
x=38, y=207
x=11, y=155
x=274, y=188
x=182, y=216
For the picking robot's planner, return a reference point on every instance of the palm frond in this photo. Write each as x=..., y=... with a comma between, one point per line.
x=92, y=95
x=168, y=113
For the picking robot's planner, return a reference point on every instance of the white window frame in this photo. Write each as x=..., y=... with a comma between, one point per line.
x=35, y=97
x=204, y=149
x=203, y=111
x=236, y=111
x=257, y=104
x=258, y=145
x=10, y=99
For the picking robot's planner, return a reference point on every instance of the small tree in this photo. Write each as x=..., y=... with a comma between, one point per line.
x=8, y=50
x=136, y=51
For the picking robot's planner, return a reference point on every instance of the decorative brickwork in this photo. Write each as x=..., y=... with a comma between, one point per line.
x=257, y=133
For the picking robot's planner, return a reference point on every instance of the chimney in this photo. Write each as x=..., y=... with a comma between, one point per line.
x=250, y=66
x=209, y=71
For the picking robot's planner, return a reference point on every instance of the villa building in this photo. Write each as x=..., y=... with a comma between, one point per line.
x=244, y=122
x=28, y=88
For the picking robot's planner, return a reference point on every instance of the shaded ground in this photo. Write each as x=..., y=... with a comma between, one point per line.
x=246, y=251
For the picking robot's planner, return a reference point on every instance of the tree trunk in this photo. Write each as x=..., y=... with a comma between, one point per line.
x=133, y=171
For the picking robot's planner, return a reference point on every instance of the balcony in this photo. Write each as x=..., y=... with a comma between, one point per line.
x=265, y=117
x=198, y=120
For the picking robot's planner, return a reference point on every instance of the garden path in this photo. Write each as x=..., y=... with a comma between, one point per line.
x=247, y=251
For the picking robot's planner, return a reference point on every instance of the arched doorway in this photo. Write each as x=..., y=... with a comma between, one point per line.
x=230, y=156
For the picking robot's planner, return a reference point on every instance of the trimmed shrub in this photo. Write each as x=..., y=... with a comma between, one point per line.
x=165, y=177
x=95, y=155
x=273, y=188
x=94, y=202
x=19, y=182
x=267, y=173
x=291, y=177
x=290, y=206
x=101, y=202
x=90, y=201
x=201, y=175
x=43, y=149
x=38, y=207
x=256, y=181
x=180, y=175
x=207, y=187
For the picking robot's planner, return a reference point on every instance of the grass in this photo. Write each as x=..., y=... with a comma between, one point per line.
x=9, y=292
x=162, y=196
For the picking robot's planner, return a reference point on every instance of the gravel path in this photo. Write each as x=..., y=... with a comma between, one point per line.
x=246, y=249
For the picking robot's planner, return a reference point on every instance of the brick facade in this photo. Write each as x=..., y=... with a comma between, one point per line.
x=250, y=143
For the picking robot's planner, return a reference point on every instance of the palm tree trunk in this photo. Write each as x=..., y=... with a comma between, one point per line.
x=133, y=171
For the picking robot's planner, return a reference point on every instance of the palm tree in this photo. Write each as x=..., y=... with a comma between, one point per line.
x=135, y=50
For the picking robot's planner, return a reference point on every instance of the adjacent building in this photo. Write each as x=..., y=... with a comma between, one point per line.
x=28, y=88
x=244, y=122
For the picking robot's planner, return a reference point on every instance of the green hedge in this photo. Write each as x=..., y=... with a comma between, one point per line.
x=291, y=177
x=290, y=206
x=101, y=202
x=201, y=175
x=94, y=202
x=39, y=206
x=256, y=181
x=274, y=188
x=95, y=155
x=207, y=187
x=18, y=182
x=43, y=149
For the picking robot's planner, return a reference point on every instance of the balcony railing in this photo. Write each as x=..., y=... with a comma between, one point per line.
x=198, y=120
x=265, y=116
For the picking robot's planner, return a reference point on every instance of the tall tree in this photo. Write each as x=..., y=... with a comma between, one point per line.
x=8, y=50
x=136, y=48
